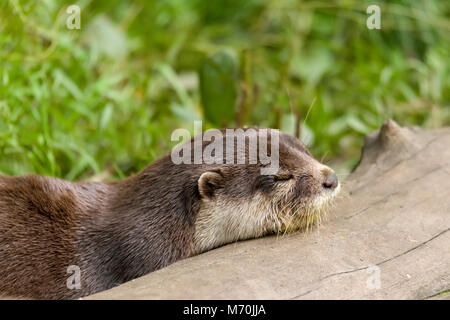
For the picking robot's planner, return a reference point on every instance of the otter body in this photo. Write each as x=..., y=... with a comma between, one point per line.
x=115, y=232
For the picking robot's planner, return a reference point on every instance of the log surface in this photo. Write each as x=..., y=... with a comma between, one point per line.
x=393, y=219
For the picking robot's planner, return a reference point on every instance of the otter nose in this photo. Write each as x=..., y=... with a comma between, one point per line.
x=331, y=181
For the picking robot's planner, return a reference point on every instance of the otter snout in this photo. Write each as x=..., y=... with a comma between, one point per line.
x=331, y=181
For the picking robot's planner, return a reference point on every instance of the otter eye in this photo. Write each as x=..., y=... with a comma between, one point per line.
x=283, y=177
x=266, y=183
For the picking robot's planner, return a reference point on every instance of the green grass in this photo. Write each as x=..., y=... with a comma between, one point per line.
x=104, y=100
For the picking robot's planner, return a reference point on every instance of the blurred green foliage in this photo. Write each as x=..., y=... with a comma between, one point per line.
x=218, y=88
x=104, y=100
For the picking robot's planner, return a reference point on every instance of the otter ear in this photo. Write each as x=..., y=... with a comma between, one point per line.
x=208, y=182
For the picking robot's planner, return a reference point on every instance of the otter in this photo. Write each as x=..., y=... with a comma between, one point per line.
x=116, y=231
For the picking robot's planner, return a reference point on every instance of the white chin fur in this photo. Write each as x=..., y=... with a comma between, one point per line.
x=219, y=223
x=310, y=214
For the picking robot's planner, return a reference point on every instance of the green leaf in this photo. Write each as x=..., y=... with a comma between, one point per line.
x=218, y=87
x=103, y=35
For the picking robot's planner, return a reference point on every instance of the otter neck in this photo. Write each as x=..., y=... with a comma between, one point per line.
x=148, y=226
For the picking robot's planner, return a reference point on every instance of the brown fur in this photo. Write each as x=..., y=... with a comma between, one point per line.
x=118, y=231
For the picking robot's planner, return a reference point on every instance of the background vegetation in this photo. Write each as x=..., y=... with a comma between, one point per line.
x=102, y=101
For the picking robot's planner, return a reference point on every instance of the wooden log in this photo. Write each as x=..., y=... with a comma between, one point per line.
x=392, y=221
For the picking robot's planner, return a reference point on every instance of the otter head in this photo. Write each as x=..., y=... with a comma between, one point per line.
x=240, y=201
